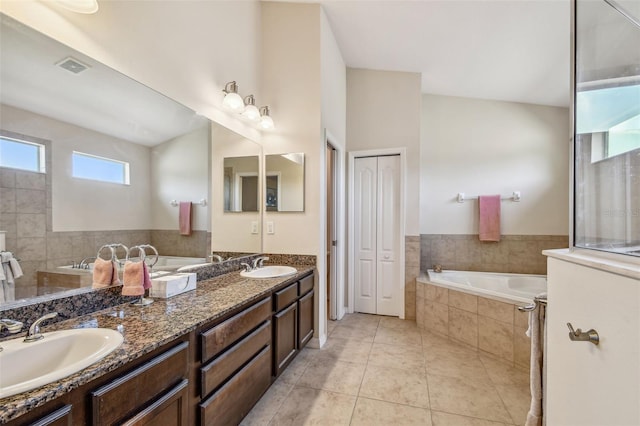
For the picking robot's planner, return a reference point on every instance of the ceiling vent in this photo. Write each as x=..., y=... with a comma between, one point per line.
x=72, y=65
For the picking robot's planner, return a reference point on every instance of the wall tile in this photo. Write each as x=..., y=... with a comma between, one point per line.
x=420, y=310
x=8, y=223
x=464, y=301
x=30, y=201
x=31, y=249
x=463, y=326
x=436, y=317
x=521, y=319
x=7, y=178
x=31, y=180
x=30, y=225
x=496, y=310
x=436, y=293
x=521, y=347
x=495, y=337
x=7, y=200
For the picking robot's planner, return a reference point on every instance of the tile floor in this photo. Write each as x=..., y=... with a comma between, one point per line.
x=378, y=370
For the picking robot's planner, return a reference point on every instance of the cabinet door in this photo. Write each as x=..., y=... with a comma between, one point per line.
x=169, y=410
x=285, y=334
x=305, y=319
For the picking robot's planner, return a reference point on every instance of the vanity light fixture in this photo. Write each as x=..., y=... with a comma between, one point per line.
x=251, y=112
x=79, y=6
x=232, y=100
x=266, y=122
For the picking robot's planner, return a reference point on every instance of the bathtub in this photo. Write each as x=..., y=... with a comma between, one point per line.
x=511, y=288
x=479, y=309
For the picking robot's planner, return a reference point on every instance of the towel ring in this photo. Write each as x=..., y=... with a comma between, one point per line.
x=141, y=254
x=151, y=264
x=110, y=247
x=115, y=246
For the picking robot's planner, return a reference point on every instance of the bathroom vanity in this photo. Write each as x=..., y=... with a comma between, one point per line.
x=204, y=357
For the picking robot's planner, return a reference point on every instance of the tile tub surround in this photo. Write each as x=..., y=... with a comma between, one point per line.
x=172, y=318
x=411, y=272
x=491, y=327
x=518, y=254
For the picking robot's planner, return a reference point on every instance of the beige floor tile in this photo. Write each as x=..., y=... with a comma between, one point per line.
x=306, y=406
x=360, y=319
x=467, y=397
x=502, y=373
x=331, y=325
x=345, y=350
x=266, y=408
x=294, y=371
x=399, y=336
x=361, y=332
x=443, y=362
x=396, y=385
x=447, y=419
x=369, y=412
x=517, y=399
x=435, y=342
x=334, y=376
x=397, y=323
x=403, y=357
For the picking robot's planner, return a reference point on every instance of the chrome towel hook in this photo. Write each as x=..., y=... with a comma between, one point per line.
x=583, y=336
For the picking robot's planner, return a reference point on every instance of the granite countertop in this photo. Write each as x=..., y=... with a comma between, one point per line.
x=147, y=328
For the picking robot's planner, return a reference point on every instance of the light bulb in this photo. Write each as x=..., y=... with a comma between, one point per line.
x=266, y=122
x=250, y=111
x=232, y=100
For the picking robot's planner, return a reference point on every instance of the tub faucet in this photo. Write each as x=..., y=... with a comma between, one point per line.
x=437, y=268
x=84, y=262
x=257, y=263
x=12, y=326
x=34, y=331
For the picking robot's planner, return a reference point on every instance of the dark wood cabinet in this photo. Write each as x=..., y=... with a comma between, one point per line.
x=305, y=319
x=60, y=417
x=125, y=396
x=169, y=410
x=285, y=331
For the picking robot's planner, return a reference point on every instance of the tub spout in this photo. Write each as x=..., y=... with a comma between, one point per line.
x=437, y=268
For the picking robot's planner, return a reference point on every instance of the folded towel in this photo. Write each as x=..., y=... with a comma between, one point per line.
x=15, y=268
x=489, y=206
x=3, y=276
x=133, y=279
x=184, y=218
x=105, y=273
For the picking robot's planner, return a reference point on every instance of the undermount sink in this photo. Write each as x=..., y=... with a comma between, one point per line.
x=26, y=366
x=271, y=271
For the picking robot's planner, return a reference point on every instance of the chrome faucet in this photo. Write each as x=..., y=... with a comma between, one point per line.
x=83, y=263
x=437, y=268
x=247, y=267
x=12, y=326
x=217, y=258
x=257, y=263
x=34, y=331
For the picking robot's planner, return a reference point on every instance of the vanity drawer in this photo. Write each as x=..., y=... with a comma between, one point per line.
x=228, y=332
x=285, y=297
x=306, y=285
x=234, y=400
x=214, y=374
x=125, y=395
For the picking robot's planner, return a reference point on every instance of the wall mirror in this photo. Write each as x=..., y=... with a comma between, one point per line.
x=53, y=219
x=240, y=190
x=284, y=182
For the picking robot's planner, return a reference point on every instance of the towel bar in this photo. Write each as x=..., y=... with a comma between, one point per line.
x=202, y=202
x=515, y=197
x=532, y=307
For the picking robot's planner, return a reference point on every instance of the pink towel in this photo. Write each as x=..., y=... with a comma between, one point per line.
x=184, y=218
x=146, y=279
x=133, y=279
x=489, y=206
x=105, y=273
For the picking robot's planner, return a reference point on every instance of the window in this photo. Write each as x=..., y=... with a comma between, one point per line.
x=87, y=166
x=22, y=155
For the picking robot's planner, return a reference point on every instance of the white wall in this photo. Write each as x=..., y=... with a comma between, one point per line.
x=492, y=147
x=186, y=50
x=333, y=82
x=81, y=204
x=383, y=111
x=291, y=76
x=230, y=231
x=180, y=171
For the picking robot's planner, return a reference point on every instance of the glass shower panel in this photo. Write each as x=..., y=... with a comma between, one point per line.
x=607, y=126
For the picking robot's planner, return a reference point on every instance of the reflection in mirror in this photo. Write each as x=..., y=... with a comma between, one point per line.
x=53, y=220
x=241, y=184
x=235, y=181
x=284, y=182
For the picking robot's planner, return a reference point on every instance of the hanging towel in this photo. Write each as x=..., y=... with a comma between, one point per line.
x=146, y=279
x=536, y=332
x=105, y=273
x=133, y=279
x=15, y=268
x=489, y=206
x=185, y=218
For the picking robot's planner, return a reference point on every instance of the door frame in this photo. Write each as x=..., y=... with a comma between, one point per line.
x=402, y=152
